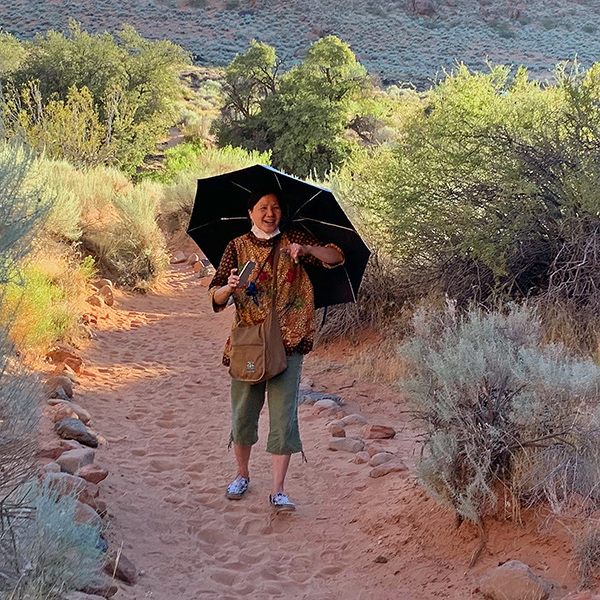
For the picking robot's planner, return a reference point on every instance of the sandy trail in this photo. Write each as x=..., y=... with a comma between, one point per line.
x=158, y=394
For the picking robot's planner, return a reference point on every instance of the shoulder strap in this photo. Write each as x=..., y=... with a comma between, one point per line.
x=275, y=263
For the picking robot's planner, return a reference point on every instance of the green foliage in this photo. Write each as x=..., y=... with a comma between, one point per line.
x=302, y=116
x=499, y=408
x=12, y=54
x=94, y=98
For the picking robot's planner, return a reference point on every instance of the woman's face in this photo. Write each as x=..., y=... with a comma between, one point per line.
x=266, y=213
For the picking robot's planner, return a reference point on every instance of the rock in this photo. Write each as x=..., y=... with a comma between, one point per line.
x=106, y=294
x=199, y=268
x=178, y=257
x=336, y=429
x=95, y=300
x=72, y=460
x=59, y=353
x=333, y=413
x=86, y=514
x=56, y=382
x=104, y=586
x=82, y=596
x=84, y=491
x=346, y=444
x=425, y=8
x=58, y=394
x=392, y=466
x=307, y=384
x=380, y=458
x=104, y=282
x=51, y=449
x=75, y=363
x=92, y=473
x=193, y=259
x=374, y=449
x=354, y=419
x=325, y=403
x=83, y=415
x=379, y=432
x=67, y=371
x=514, y=580
x=119, y=566
x=74, y=429
x=361, y=458
x=60, y=411
x=311, y=397
x=381, y=559
x=52, y=467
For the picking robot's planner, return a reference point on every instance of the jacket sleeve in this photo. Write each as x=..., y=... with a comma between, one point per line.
x=304, y=238
x=229, y=261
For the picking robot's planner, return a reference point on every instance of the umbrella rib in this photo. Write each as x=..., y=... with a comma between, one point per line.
x=326, y=223
x=241, y=186
x=278, y=182
x=349, y=283
x=307, y=202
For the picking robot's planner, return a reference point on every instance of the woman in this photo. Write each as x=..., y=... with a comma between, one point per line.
x=296, y=314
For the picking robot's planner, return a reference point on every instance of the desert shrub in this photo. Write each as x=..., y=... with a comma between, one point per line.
x=53, y=551
x=94, y=98
x=587, y=555
x=500, y=409
x=130, y=250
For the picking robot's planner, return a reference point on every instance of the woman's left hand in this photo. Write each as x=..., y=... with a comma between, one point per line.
x=296, y=251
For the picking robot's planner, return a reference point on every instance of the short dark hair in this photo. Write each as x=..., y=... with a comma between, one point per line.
x=254, y=197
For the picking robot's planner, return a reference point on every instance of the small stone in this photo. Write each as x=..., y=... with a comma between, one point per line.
x=82, y=596
x=75, y=363
x=392, y=466
x=58, y=394
x=72, y=460
x=193, y=259
x=55, y=382
x=381, y=559
x=346, y=444
x=95, y=300
x=361, y=458
x=336, y=429
x=103, y=282
x=61, y=411
x=67, y=371
x=82, y=414
x=104, y=586
x=106, y=293
x=199, y=268
x=51, y=467
x=119, y=566
x=312, y=397
x=74, y=429
x=178, y=257
x=64, y=483
x=52, y=449
x=374, y=449
x=354, y=419
x=514, y=580
x=380, y=458
x=307, y=384
x=324, y=404
x=84, y=513
x=379, y=432
x=92, y=472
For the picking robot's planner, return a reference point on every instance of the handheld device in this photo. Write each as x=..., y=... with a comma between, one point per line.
x=245, y=272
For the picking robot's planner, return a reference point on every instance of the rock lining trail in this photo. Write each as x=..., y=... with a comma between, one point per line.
x=160, y=397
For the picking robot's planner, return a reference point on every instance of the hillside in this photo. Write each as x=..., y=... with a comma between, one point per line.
x=400, y=41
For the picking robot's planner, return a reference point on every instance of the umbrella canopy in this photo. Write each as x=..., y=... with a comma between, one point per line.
x=220, y=214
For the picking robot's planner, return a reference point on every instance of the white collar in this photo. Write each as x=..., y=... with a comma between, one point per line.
x=261, y=235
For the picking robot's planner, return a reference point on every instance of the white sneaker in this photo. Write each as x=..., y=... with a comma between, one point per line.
x=281, y=502
x=237, y=488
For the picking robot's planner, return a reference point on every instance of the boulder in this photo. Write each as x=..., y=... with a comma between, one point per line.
x=336, y=428
x=74, y=429
x=514, y=580
x=55, y=382
x=64, y=483
x=379, y=432
x=346, y=444
x=392, y=466
x=354, y=419
x=361, y=458
x=119, y=566
x=380, y=458
x=177, y=258
x=92, y=473
x=72, y=460
x=106, y=293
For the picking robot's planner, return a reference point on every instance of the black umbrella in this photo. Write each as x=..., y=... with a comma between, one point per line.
x=220, y=214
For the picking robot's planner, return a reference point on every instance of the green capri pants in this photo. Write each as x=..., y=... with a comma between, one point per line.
x=248, y=399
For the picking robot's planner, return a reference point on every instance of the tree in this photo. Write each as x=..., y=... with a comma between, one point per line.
x=302, y=116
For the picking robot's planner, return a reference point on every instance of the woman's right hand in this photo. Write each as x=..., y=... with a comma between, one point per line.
x=233, y=280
